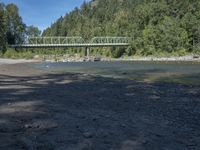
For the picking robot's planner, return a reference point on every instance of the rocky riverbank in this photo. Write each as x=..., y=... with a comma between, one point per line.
x=172, y=58
x=66, y=58
x=42, y=110
x=187, y=58
x=77, y=58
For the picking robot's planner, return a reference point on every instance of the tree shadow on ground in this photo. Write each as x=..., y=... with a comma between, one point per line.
x=76, y=111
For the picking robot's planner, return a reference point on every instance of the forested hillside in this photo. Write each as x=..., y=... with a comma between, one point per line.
x=158, y=26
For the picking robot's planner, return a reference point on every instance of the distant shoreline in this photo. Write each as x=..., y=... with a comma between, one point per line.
x=188, y=58
x=160, y=59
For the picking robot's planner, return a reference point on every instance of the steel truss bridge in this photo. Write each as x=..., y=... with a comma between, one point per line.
x=66, y=42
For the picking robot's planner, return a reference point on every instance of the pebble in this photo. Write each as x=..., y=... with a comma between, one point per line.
x=107, y=116
x=27, y=143
x=123, y=125
x=42, y=124
x=27, y=126
x=88, y=134
x=95, y=119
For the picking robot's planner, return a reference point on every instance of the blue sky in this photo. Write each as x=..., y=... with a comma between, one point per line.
x=42, y=13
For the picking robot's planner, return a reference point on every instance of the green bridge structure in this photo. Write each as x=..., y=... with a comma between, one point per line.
x=73, y=42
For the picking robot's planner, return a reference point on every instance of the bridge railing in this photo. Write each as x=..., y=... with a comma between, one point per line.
x=111, y=40
x=55, y=40
x=74, y=42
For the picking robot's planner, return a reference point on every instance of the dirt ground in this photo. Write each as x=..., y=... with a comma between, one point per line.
x=47, y=111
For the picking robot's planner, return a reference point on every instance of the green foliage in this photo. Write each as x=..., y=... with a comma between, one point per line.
x=166, y=36
x=2, y=28
x=158, y=27
x=117, y=52
x=197, y=50
x=12, y=29
x=15, y=27
x=11, y=53
x=33, y=31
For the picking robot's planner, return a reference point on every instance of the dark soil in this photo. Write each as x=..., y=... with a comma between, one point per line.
x=46, y=111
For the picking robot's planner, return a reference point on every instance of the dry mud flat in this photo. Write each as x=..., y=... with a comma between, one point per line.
x=46, y=111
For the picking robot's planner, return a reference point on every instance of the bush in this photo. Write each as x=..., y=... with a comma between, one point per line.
x=117, y=52
x=11, y=53
x=197, y=50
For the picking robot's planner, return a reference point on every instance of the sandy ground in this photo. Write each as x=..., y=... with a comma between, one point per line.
x=45, y=111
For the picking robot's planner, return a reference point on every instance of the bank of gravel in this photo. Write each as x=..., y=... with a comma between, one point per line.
x=77, y=58
x=44, y=110
x=16, y=61
x=189, y=58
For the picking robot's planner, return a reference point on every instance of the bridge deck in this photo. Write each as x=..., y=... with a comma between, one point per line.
x=69, y=45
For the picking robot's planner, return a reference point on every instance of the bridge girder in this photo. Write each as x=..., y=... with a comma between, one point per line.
x=113, y=40
x=44, y=42
x=55, y=40
x=77, y=40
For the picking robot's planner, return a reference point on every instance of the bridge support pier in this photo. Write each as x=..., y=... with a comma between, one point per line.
x=87, y=51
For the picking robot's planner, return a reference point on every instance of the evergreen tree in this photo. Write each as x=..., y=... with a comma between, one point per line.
x=15, y=27
x=2, y=28
x=32, y=31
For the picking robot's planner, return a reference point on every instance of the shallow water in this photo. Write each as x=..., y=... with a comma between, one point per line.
x=183, y=72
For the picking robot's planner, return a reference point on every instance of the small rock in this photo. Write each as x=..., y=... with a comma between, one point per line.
x=123, y=125
x=94, y=119
x=10, y=127
x=27, y=143
x=87, y=134
x=155, y=97
x=107, y=116
x=42, y=124
x=126, y=101
x=36, y=57
x=103, y=133
x=195, y=56
x=124, y=73
x=27, y=126
x=106, y=141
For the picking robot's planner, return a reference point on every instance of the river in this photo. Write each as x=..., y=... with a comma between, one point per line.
x=179, y=72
